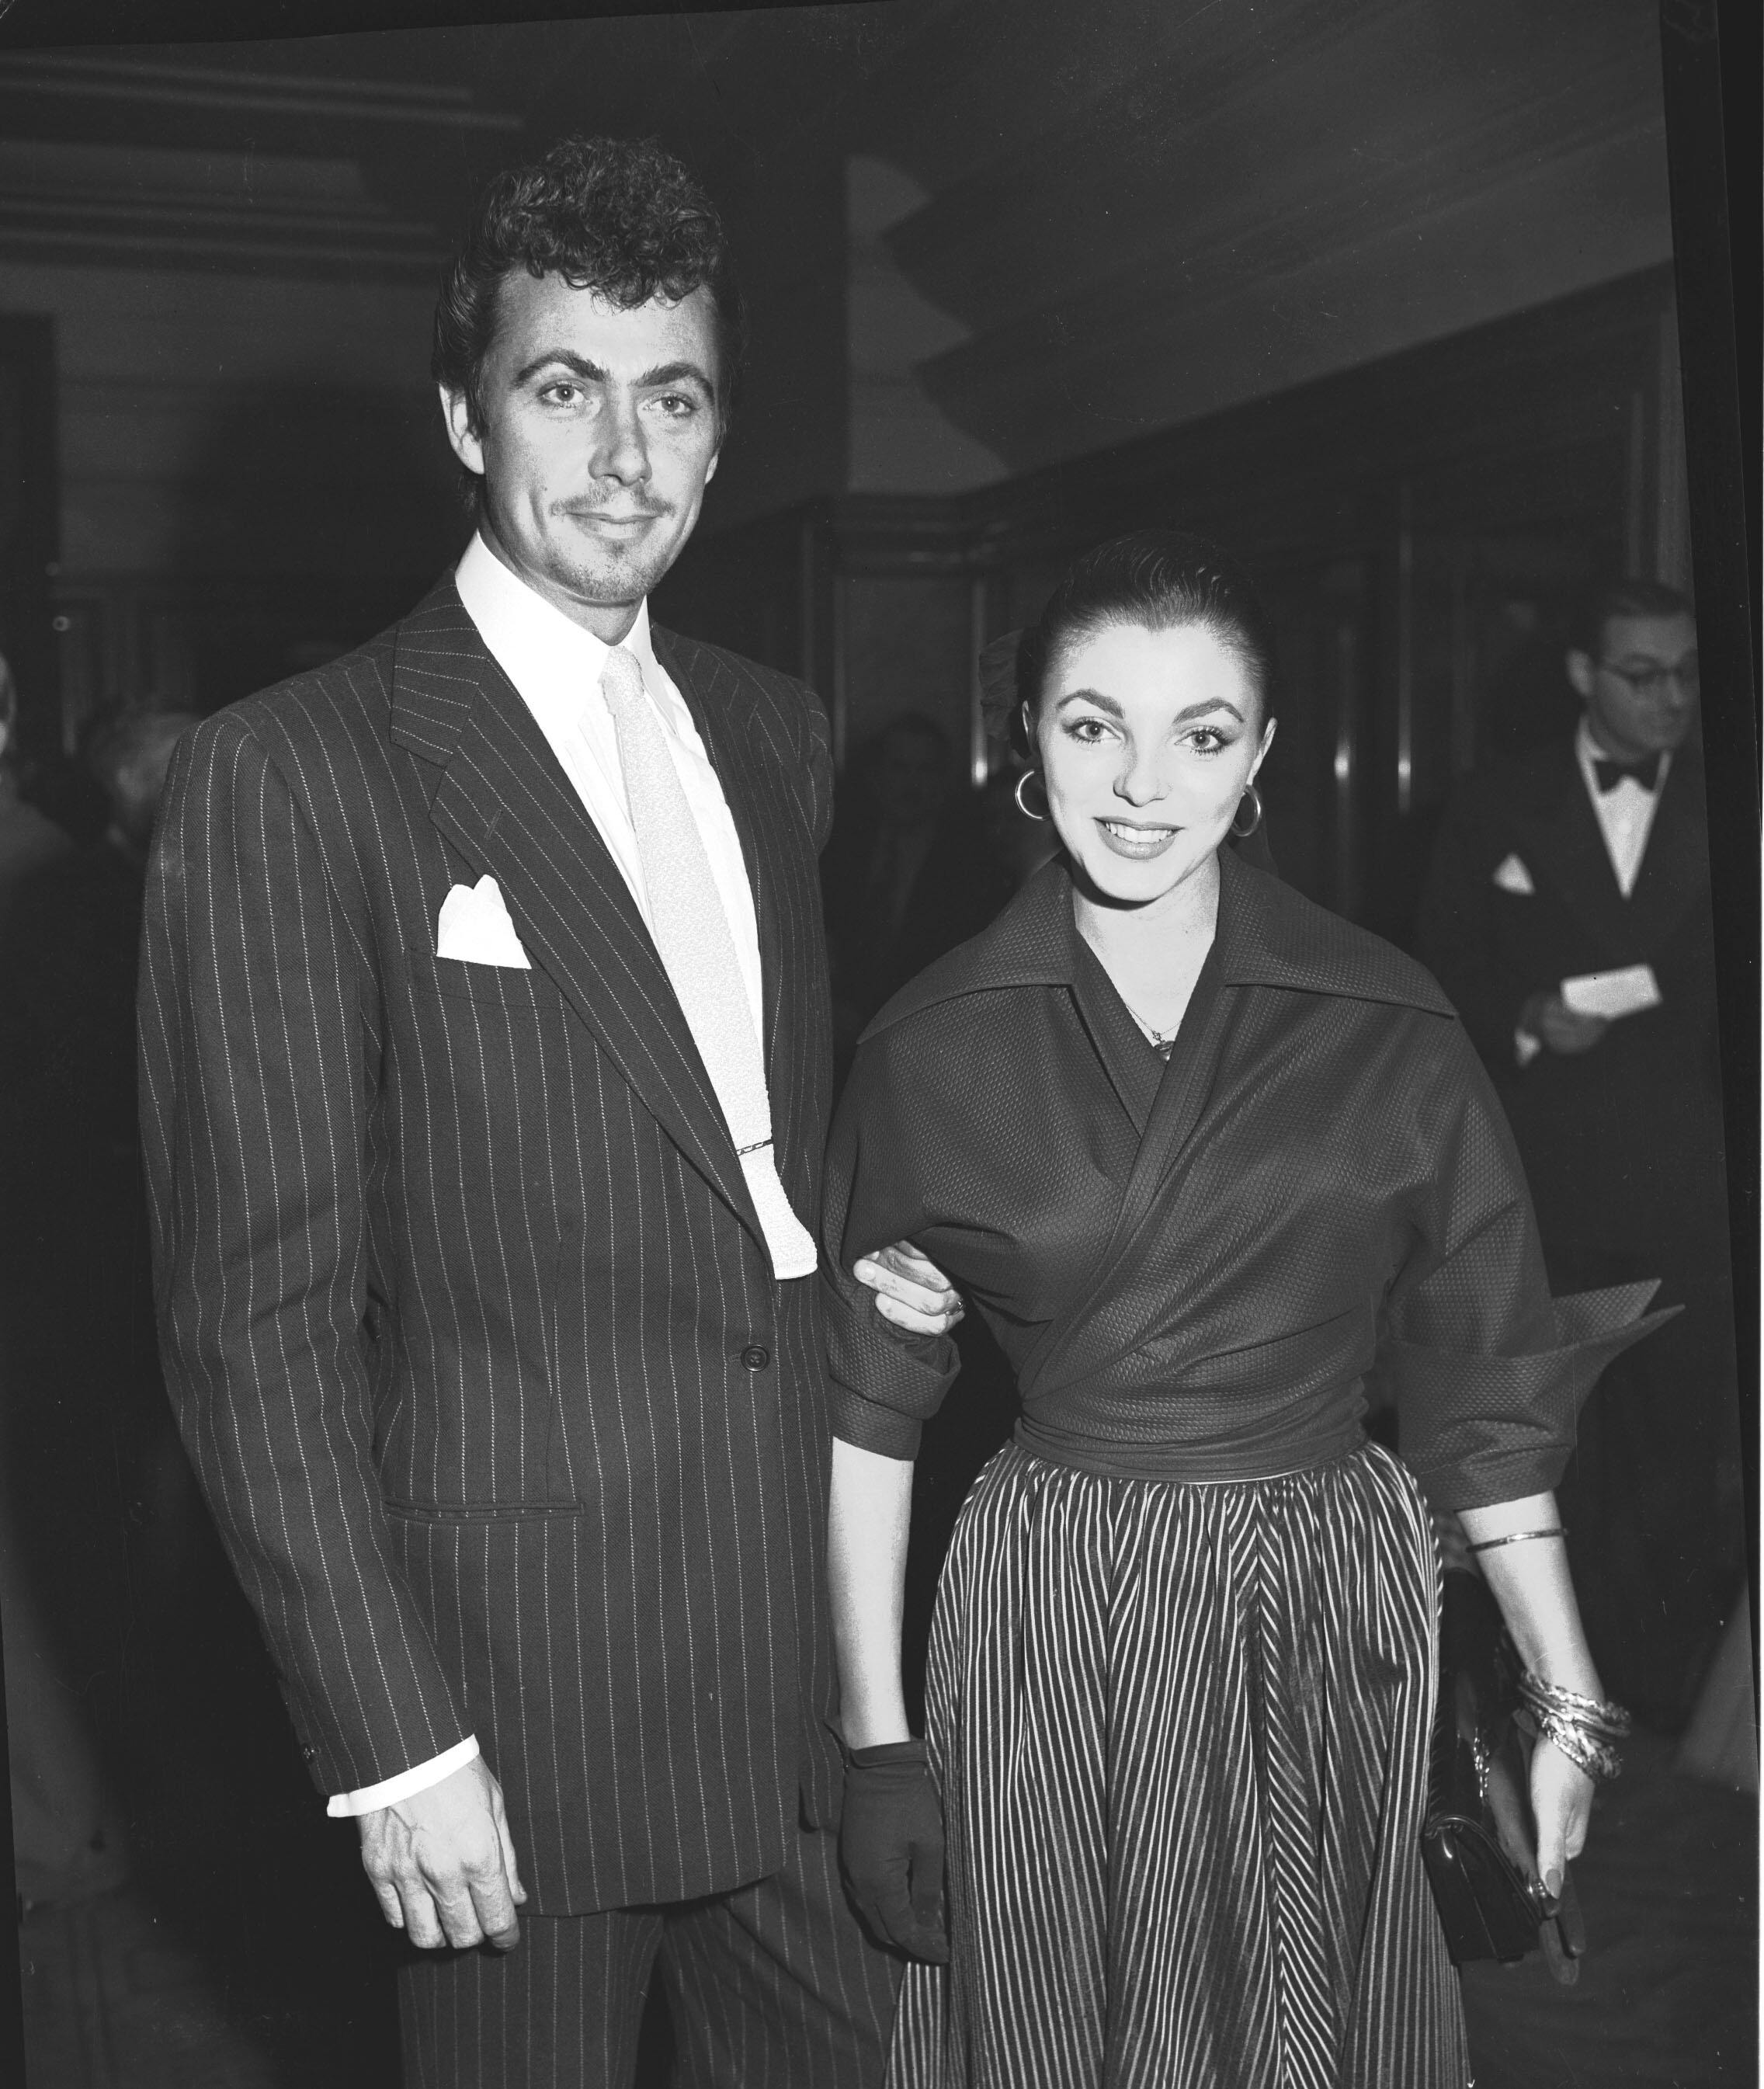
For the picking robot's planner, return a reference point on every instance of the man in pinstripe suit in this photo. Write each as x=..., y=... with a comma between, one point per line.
x=501, y=1365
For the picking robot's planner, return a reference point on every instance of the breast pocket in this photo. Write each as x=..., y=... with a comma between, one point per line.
x=504, y=987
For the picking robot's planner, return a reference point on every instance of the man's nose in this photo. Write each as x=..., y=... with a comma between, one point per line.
x=620, y=451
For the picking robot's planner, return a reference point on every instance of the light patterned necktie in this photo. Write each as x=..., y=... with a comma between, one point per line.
x=692, y=933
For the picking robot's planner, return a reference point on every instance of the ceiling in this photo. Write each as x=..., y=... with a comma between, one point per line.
x=1133, y=212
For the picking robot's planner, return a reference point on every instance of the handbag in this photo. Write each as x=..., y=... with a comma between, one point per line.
x=1479, y=1840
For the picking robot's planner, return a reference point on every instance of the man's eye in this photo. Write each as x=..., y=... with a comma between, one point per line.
x=562, y=394
x=676, y=405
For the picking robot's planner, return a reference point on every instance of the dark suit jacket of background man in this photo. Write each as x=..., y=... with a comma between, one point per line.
x=1623, y=1150
x=464, y=1305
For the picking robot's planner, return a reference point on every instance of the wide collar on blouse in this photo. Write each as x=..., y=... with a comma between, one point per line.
x=1267, y=935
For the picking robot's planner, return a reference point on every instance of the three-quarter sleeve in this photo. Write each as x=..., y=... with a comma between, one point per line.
x=883, y=1383
x=1488, y=1372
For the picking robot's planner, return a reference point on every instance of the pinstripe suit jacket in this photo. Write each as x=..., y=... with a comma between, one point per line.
x=464, y=1305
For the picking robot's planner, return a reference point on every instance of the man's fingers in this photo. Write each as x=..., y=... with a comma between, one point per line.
x=888, y=1282
x=510, y=1869
x=421, y=1923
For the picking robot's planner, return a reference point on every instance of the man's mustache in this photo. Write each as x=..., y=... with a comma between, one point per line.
x=611, y=511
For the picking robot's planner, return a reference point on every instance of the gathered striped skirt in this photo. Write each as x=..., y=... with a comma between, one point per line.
x=1181, y=1735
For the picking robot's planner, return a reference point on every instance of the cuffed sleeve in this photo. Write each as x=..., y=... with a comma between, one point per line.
x=420, y=1776
x=883, y=1383
x=1487, y=1371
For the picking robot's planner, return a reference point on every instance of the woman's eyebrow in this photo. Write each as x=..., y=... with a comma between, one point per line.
x=1108, y=704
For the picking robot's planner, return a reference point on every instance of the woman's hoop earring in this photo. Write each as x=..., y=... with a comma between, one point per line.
x=1244, y=834
x=1028, y=812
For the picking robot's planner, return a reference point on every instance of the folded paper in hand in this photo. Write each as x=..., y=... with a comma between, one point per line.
x=474, y=928
x=1626, y=991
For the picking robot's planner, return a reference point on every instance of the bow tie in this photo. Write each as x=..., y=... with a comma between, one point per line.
x=1609, y=774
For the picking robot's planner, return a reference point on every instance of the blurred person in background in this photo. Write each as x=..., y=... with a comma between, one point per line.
x=1567, y=915
x=93, y=1469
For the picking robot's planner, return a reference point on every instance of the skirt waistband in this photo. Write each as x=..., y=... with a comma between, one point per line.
x=1190, y=1465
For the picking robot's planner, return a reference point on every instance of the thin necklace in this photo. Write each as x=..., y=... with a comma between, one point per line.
x=1161, y=1041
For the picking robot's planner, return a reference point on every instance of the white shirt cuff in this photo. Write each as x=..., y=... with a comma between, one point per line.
x=1526, y=1047
x=342, y=1805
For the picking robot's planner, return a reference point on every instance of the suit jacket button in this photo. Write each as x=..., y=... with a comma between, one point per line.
x=309, y=1753
x=753, y=1357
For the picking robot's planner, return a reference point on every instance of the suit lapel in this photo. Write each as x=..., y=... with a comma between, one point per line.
x=1560, y=834
x=507, y=808
x=1675, y=865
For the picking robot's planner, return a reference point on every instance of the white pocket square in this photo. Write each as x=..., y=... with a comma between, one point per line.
x=1512, y=876
x=474, y=927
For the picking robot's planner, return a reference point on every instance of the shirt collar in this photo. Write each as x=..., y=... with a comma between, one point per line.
x=550, y=659
x=1588, y=750
x=1268, y=935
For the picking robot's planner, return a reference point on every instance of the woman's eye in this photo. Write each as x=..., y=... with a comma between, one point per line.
x=1087, y=731
x=1208, y=739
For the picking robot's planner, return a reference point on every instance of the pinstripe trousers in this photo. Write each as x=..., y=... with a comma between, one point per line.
x=772, y=1986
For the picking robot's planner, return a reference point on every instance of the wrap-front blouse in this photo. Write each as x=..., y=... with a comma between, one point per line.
x=1196, y=1266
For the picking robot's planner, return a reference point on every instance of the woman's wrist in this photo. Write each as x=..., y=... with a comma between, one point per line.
x=874, y=1727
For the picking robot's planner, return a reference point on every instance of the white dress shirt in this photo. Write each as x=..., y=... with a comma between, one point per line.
x=555, y=666
x=1626, y=817
x=1624, y=812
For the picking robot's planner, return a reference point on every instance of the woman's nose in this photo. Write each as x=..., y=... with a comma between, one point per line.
x=1140, y=782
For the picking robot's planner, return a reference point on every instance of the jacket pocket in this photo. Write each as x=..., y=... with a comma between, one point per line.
x=505, y=987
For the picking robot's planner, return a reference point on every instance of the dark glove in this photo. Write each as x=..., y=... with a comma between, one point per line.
x=891, y=1847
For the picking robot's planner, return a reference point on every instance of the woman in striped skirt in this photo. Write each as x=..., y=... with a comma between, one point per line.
x=1209, y=1159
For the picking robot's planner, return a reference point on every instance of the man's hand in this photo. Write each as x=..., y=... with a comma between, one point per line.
x=442, y=1864
x=891, y=1848
x=911, y=1292
x=1548, y=1017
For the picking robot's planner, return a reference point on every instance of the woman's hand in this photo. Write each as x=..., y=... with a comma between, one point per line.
x=1561, y=1801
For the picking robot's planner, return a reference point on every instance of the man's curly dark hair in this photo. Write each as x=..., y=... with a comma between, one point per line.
x=618, y=216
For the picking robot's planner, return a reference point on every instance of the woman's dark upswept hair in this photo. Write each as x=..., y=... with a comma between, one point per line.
x=1158, y=579
x=618, y=216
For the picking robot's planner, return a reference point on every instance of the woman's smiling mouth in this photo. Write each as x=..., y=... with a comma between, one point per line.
x=1127, y=838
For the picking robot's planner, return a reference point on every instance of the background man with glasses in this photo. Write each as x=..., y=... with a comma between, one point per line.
x=1567, y=915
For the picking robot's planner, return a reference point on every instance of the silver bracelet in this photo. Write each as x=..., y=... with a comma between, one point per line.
x=1583, y=1749
x=1597, y=1716
x=1517, y=1537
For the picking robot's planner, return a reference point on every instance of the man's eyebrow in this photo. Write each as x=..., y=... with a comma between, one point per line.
x=579, y=365
x=1108, y=704
x=676, y=373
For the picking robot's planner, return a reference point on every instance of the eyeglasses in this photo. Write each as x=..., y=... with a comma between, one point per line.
x=1651, y=681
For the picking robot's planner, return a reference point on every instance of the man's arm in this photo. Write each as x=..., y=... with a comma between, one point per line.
x=253, y=1100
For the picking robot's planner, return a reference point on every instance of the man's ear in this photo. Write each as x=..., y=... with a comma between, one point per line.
x=1581, y=672
x=457, y=412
